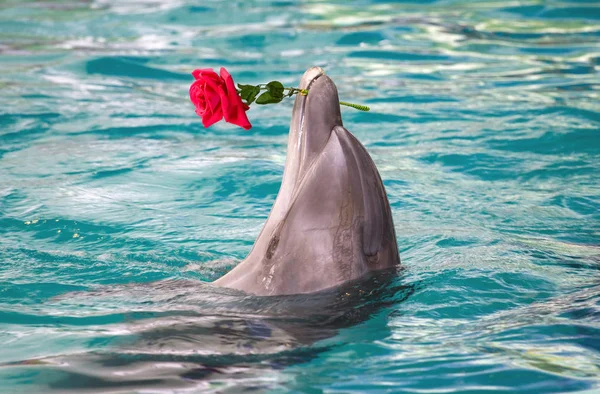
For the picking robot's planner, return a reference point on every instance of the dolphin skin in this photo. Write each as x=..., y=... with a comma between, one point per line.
x=331, y=222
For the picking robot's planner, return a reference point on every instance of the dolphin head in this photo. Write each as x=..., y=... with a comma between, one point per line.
x=313, y=119
x=331, y=221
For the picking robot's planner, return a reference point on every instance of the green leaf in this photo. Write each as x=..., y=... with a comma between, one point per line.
x=275, y=88
x=246, y=90
x=266, y=98
x=249, y=92
x=253, y=95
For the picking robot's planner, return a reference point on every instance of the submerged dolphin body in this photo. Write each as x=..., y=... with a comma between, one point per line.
x=331, y=221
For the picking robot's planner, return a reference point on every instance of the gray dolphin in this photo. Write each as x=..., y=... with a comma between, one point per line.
x=331, y=222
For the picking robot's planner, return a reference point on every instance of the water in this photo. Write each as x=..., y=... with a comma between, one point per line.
x=115, y=203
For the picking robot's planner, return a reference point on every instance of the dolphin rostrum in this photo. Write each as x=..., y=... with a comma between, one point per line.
x=331, y=222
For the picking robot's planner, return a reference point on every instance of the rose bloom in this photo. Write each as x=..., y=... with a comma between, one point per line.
x=215, y=97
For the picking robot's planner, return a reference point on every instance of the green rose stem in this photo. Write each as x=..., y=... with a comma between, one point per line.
x=356, y=106
x=275, y=92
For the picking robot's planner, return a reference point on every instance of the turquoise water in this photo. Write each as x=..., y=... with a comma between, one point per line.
x=115, y=203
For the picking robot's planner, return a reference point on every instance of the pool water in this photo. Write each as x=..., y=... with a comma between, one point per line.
x=116, y=205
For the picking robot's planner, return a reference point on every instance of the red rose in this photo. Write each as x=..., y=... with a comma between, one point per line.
x=215, y=97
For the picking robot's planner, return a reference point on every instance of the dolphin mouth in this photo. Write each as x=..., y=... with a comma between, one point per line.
x=308, y=79
x=318, y=113
x=301, y=128
x=313, y=118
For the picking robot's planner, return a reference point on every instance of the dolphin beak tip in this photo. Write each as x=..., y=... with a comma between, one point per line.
x=310, y=75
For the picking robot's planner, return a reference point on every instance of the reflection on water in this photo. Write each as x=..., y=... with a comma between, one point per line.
x=115, y=205
x=199, y=335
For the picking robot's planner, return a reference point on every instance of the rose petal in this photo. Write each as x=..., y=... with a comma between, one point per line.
x=213, y=98
x=234, y=108
x=209, y=118
x=203, y=71
x=195, y=91
x=201, y=106
x=225, y=103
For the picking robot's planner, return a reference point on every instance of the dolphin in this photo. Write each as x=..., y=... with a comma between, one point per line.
x=330, y=226
x=331, y=221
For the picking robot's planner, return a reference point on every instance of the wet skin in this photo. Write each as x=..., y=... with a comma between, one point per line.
x=331, y=222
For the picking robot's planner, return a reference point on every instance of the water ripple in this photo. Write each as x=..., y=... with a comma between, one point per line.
x=116, y=205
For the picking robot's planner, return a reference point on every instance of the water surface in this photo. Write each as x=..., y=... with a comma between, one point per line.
x=116, y=205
